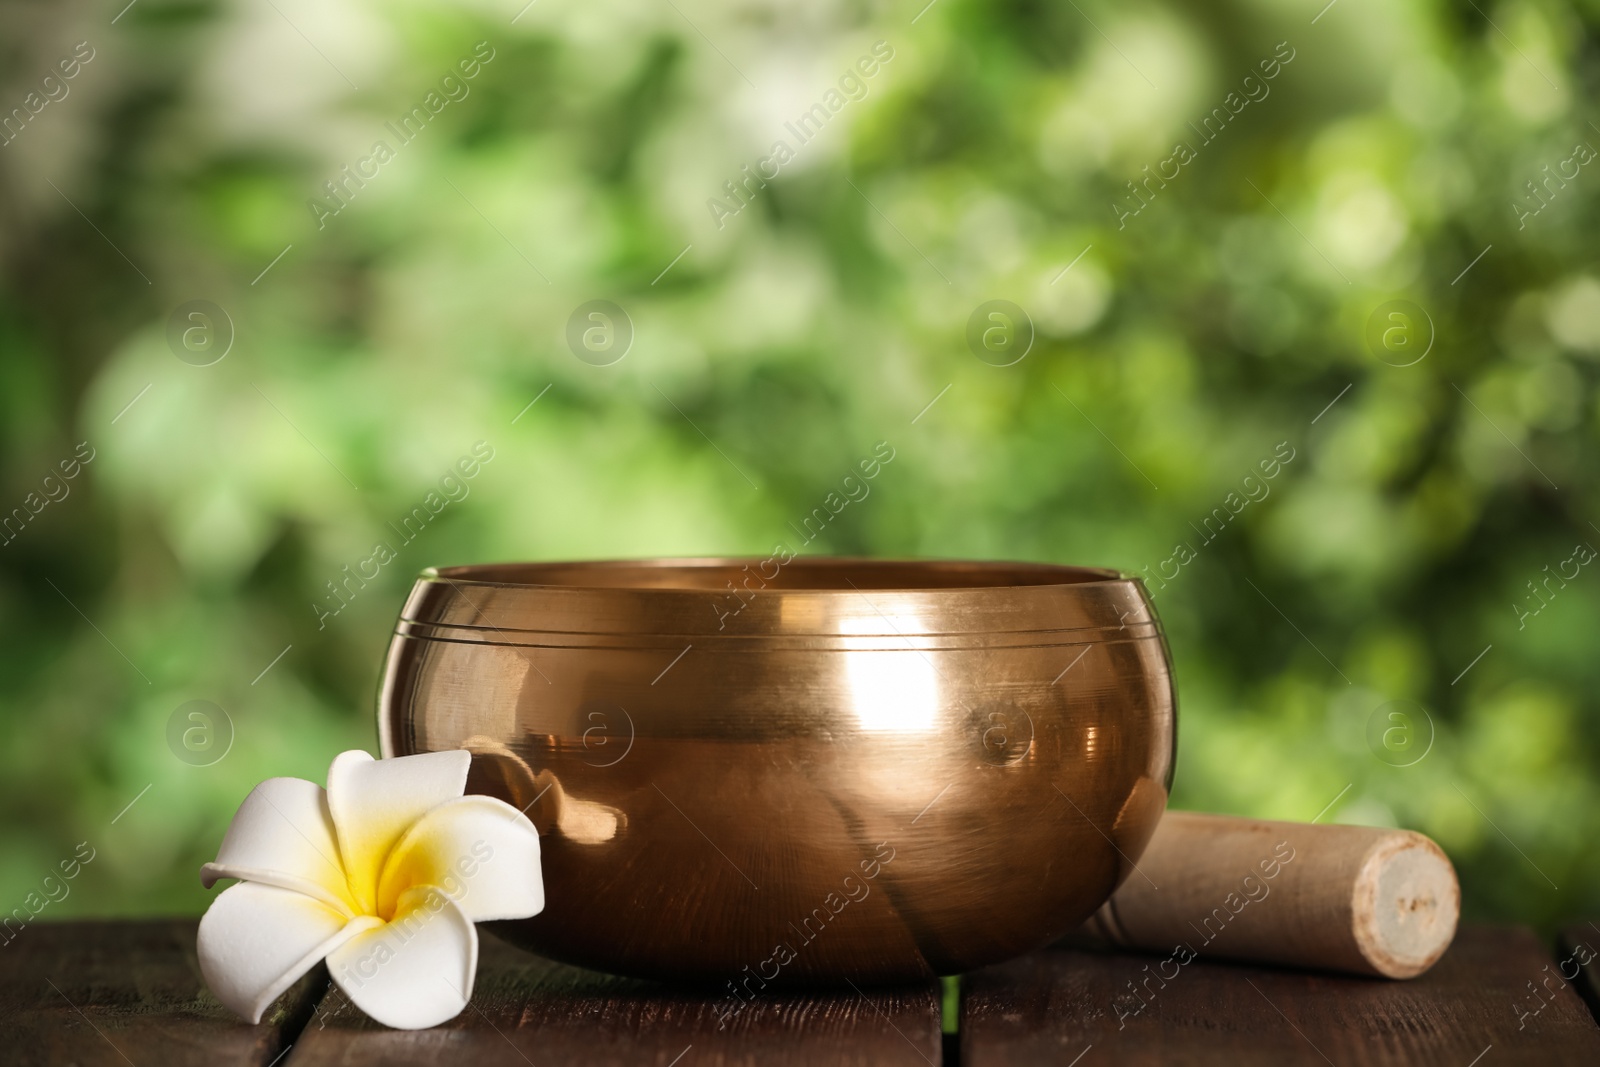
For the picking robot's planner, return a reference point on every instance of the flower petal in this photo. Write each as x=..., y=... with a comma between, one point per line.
x=283, y=835
x=373, y=802
x=416, y=971
x=481, y=851
x=257, y=940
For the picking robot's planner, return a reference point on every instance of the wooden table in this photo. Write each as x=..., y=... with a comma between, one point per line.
x=120, y=993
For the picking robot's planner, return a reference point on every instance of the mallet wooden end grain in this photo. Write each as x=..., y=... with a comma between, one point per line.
x=1358, y=899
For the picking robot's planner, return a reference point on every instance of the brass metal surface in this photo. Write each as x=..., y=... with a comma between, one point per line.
x=807, y=770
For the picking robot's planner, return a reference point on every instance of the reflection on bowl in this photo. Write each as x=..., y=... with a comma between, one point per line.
x=825, y=769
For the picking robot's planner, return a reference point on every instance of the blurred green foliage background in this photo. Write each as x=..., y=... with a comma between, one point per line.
x=374, y=346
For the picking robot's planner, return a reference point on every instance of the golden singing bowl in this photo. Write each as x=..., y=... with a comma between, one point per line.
x=798, y=769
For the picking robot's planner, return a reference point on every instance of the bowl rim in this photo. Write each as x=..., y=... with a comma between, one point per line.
x=1066, y=575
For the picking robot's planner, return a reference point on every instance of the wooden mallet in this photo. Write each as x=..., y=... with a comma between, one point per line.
x=1344, y=898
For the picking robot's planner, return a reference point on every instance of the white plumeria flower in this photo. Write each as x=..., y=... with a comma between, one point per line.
x=383, y=875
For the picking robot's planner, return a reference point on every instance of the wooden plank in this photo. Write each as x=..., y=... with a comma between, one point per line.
x=526, y=1009
x=1578, y=949
x=1051, y=1006
x=120, y=993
